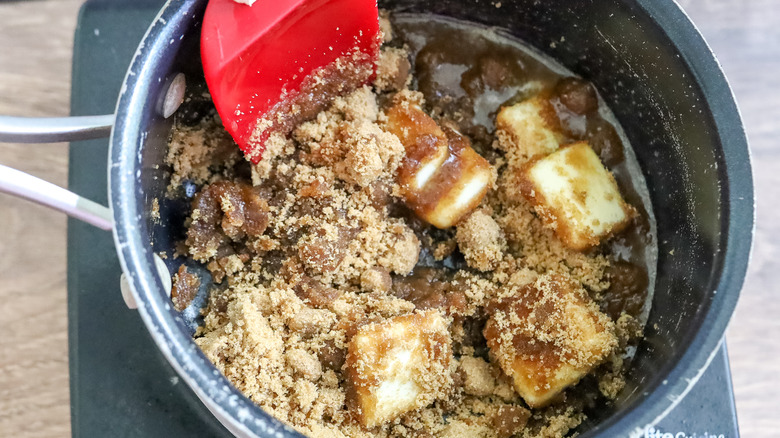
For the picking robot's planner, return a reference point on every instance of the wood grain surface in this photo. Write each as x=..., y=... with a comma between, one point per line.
x=36, y=46
x=36, y=39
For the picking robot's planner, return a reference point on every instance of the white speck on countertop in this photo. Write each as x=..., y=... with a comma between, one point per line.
x=97, y=32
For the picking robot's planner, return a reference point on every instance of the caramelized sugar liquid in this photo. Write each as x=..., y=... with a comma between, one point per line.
x=467, y=72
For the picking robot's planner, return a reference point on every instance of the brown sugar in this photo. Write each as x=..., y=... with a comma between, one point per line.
x=185, y=287
x=478, y=378
x=198, y=153
x=392, y=73
x=508, y=420
x=340, y=311
x=377, y=279
x=481, y=241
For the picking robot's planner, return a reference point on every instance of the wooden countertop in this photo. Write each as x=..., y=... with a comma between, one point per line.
x=35, y=63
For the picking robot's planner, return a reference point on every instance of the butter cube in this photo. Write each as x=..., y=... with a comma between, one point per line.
x=408, y=121
x=460, y=195
x=546, y=336
x=442, y=177
x=398, y=365
x=575, y=194
x=529, y=128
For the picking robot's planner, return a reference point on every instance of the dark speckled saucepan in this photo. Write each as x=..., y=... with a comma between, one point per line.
x=665, y=87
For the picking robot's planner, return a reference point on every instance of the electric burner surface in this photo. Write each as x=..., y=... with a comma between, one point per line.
x=120, y=383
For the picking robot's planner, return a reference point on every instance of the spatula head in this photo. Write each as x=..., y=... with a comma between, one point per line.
x=254, y=56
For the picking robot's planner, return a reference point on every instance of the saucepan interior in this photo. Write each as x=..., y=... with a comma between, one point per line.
x=664, y=86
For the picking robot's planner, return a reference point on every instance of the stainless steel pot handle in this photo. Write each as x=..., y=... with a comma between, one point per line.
x=26, y=186
x=52, y=130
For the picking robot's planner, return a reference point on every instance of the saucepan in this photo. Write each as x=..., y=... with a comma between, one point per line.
x=651, y=66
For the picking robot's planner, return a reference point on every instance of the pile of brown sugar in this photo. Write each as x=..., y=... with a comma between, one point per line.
x=314, y=245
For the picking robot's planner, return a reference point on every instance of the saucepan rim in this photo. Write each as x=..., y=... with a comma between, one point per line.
x=244, y=418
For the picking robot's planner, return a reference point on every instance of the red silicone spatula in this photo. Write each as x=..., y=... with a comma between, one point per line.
x=265, y=62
